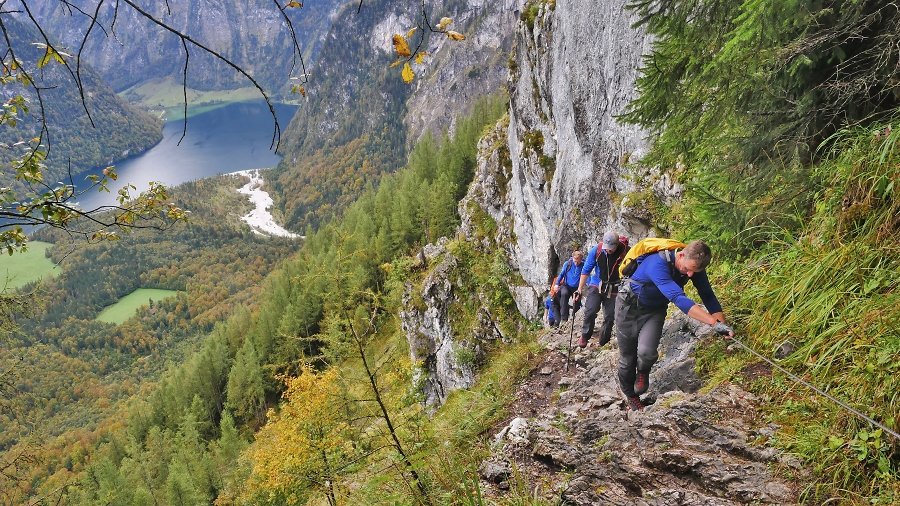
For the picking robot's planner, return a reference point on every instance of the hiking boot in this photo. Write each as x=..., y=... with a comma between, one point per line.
x=641, y=383
x=583, y=342
x=635, y=404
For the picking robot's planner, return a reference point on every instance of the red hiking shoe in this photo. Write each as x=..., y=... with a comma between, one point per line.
x=641, y=383
x=635, y=404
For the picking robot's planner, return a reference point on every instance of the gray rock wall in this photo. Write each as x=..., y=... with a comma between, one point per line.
x=547, y=172
x=575, y=72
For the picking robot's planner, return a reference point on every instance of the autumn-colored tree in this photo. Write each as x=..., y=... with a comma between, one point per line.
x=304, y=448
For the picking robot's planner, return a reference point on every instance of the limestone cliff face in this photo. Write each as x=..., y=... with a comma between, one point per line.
x=575, y=70
x=551, y=175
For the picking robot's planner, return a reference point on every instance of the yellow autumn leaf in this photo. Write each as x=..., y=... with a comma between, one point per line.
x=455, y=35
x=446, y=22
x=294, y=3
x=401, y=46
x=421, y=57
x=408, y=74
x=398, y=62
x=302, y=91
x=411, y=32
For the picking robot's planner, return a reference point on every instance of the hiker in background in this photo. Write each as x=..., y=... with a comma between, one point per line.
x=602, y=267
x=660, y=278
x=565, y=285
x=548, y=311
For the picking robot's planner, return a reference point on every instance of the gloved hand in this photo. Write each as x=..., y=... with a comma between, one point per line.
x=722, y=329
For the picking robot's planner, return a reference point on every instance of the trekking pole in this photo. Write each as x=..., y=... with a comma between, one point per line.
x=571, y=333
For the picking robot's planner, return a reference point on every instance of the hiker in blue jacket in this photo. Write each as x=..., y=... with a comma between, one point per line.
x=564, y=286
x=641, y=310
x=602, y=267
x=548, y=311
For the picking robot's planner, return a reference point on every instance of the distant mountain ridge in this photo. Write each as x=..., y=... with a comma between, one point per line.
x=253, y=33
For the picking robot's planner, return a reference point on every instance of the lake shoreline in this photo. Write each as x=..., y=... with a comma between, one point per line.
x=232, y=138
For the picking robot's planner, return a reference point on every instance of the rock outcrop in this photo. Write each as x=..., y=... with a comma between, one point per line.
x=429, y=332
x=447, y=359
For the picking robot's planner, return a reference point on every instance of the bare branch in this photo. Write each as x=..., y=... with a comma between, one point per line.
x=297, y=52
x=187, y=56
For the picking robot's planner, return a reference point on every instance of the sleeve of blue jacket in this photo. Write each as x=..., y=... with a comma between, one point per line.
x=707, y=295
x=589, y=267
x=657, y=270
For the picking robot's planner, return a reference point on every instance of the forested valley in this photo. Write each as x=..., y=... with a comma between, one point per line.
x=74, y=374
x=195, y=389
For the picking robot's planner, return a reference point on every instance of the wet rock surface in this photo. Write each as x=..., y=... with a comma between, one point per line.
x=571, y=438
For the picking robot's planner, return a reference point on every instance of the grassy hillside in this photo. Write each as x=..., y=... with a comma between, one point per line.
x=830, y=291
x=782, y=128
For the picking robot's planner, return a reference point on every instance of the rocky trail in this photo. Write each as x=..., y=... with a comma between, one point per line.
x=570, y=437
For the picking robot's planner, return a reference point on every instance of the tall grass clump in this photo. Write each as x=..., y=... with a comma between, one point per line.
x=832, y=288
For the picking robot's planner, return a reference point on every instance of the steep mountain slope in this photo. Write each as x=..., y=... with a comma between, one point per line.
x=559, y=174
x=131, y=49
x=353, y=125
x=112, y=131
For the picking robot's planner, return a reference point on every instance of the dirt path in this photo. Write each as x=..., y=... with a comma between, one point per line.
x=570, y=437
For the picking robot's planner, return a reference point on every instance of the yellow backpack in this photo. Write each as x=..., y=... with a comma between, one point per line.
x=644, y=247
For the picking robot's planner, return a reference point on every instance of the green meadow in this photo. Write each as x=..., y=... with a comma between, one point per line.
x=167, y=97
x=129, y=304
x=23, y=268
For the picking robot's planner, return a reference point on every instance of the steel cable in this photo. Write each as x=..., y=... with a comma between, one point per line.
x=818, y=391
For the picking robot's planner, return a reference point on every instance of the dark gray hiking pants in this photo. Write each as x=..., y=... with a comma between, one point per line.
x=593, y=302
x=561, y=303
x=638, y=331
